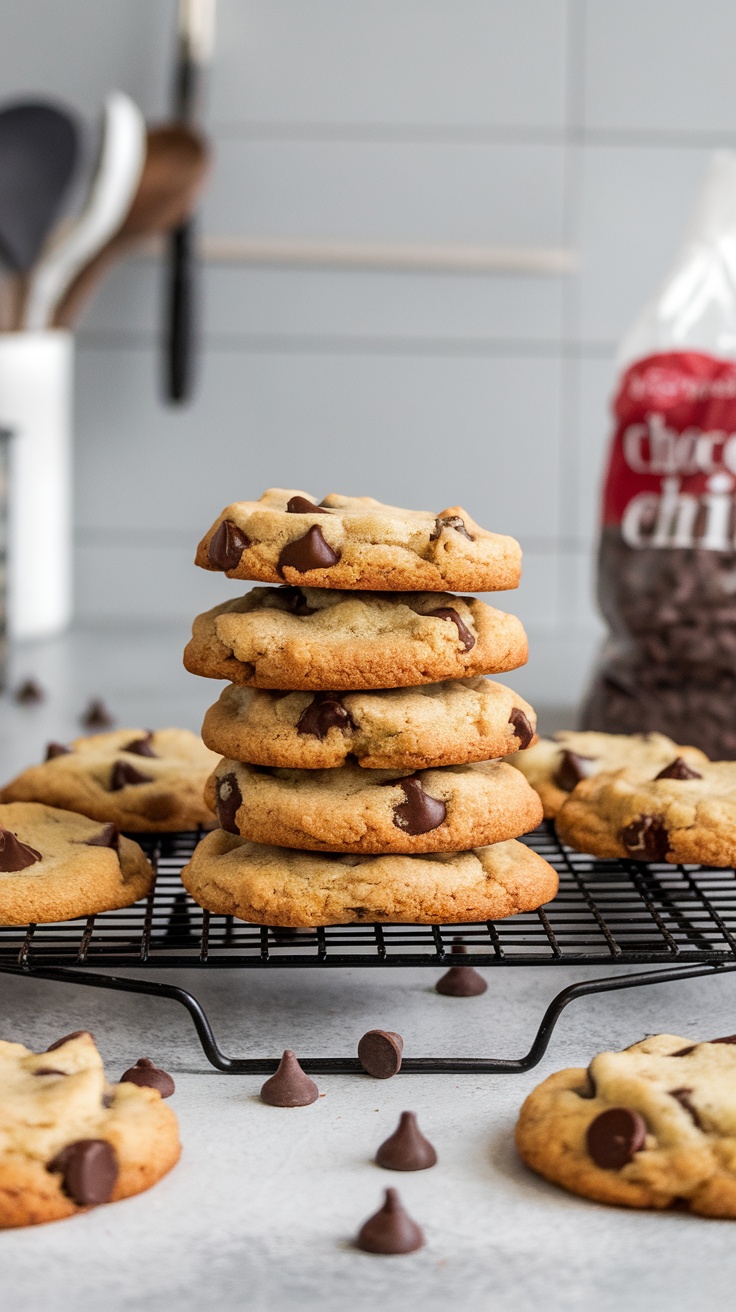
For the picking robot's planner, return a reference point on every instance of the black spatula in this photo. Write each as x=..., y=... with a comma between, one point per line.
x=39, y=145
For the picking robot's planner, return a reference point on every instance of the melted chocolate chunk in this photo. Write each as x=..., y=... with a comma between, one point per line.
x=59, y=1043
x=379, y=1053
x=683, y=1097
x=290, y=1086
x=684, y=1052
x=141, y=746
x=89, y=1170
x=229, y=801
x=678, y=769
x=406, y=1149
x=571, y=770
x=97, y=716
x=109, y=836
x=449, y=521
x=449, y=613
x=300, y=506
x=522, y=728
x=30, y=693
x=646, y=839
x=324, y=712
x=123, y=773
x=390, y=1230
x=615, y=1136
x=57, y=749
x=295, y=600
x=309, y=552
x=148, y=1076
x=14, y=854
x=226, y=546
x=420, y=813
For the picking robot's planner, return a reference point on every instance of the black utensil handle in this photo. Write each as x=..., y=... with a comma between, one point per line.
x=180, y=339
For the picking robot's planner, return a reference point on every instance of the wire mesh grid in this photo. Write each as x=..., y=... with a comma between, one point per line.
x=606, y=911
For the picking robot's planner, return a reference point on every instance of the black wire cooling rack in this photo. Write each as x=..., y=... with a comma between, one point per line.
x=679, y=918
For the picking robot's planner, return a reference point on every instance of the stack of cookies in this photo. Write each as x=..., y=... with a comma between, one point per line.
x=360, y=778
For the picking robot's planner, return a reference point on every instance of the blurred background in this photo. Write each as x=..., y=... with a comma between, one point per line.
x=563, y=124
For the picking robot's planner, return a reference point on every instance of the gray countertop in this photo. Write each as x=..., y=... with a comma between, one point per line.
x=261, y=1209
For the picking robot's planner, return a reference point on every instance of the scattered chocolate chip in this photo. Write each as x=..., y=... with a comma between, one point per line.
x=449, y=613
x=148, y=1076
x=683, y=1097
x=406, y=1149
x=461, y=981
x=300, y=506
x=295, y=600
x=141, y=746
x=324, y=712
x=420, y=813
x=57, y=749
x=226, y=546
x=572, y=769
x=48, y=1070
x=14, y=854
x=379, y=1053
x=108, y=836
x=449, y=521
x=29, y=693
x=89, y=1170
x=97, y=716
x=522, y=728
x=123, y=773
x=615, y=1136
x=678, y=769
x=59, y=1043
x=309, y=552
x=290, y=1086
x=229, y=802
x=390, y=1230
x=646, y=839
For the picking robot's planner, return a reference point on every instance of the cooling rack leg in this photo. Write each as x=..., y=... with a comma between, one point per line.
x=348, y=1065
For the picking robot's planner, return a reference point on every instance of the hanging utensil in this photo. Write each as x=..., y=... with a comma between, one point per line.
x=39, y=146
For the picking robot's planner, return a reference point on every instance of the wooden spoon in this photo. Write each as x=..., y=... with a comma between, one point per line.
x=176, y=165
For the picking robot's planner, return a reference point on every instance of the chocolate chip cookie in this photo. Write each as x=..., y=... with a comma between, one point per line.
x=69, y=1140
x=57, y=865
x=352, y=810
x=141, y=781
x=683, y=812
x=311, y=638
x=446, y=723
x=554, y=766
x=279, y=886
x=652, y=1126
x=356, y=542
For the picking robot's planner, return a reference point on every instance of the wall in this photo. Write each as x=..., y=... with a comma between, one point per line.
x=534, y=121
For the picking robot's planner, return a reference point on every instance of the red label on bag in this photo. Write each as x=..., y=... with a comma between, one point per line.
x=672, y=471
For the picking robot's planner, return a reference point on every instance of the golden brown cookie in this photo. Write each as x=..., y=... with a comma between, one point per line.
x=311, y=638
x=280, y=886
x=354, y=810
x=356, y=542
x=554, y=766
x=69, y=1140
x=57, y=865
x=138, y=780
x=653, y=1126
x=446, y=723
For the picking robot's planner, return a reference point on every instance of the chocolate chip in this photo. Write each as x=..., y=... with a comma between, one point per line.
x=229, y=802
x=89, y=1170
x=300, y=506
x=324, y=712
x=522, y=728
x=420, y=813
x=449, y=613
x=406, y=1149
x=57, y=749
x=684, y=1052
x=14, y=854
x=97, y=715
x=108, y=836
x=461, y=981
x=390, y=1230
x=123, y=773
x=379, y=1053
x=140, y=746
x=290, y=1086
x=48, y=1070
x=646, y=839
x=30, y=693
x=449, y=521
x=571, y=769
x=309, y=552
x=59, y=1043
x=615, y=1136
x=678, y=769
x=148, y=1076
x=683, y=1097
x=295, y=600
x=226, y=546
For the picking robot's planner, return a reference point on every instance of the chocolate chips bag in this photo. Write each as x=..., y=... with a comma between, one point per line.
x=667, y=556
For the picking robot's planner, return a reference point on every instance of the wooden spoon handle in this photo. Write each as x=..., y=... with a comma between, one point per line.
x=81, y=288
